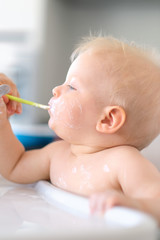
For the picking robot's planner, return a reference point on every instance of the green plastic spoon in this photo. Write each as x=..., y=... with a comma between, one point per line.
x=6, y=88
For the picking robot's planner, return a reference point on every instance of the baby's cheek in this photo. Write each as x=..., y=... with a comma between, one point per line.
x=66, y=113
x=72, y=116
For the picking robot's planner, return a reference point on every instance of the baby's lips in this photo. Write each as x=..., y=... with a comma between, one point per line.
x=50, y=103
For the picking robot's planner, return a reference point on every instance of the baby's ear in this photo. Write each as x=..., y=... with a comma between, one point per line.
x=111, y=119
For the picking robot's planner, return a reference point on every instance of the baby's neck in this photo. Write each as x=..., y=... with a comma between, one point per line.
x=77, y=149
x=83, y=149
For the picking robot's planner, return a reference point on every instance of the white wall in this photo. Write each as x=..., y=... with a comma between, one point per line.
x=134, y=20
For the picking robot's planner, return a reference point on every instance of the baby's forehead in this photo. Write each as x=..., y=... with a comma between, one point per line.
x=114, y=62
x=121, y=50
x=122, y=59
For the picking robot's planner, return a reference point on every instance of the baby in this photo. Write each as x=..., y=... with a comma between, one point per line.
x=105, y=112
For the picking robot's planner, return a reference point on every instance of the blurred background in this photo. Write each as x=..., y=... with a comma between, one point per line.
x=37, y=38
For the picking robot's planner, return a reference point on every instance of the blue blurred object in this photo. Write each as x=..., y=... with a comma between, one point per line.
x=32, y=142
x=34, y=136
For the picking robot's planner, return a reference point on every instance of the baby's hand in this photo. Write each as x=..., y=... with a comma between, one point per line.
x=12, y=106
x=101, y=202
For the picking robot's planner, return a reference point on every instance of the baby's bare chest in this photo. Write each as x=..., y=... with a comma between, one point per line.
x=83, y=176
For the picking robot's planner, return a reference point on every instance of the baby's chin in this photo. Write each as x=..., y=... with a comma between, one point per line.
x=51, y=124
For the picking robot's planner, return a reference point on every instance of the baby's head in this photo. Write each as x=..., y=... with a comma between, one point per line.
x=130, y=88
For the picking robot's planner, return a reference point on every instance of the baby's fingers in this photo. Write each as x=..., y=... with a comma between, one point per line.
x=98, y=204
x=12, y=106
x=101, y=202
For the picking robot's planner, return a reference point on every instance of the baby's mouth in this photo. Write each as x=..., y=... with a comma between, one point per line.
x=50, y=102
x=51, y=105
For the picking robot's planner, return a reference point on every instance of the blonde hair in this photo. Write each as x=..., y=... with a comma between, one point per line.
x=134, y=73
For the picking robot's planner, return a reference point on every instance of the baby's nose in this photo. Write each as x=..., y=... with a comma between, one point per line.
x=56, y=91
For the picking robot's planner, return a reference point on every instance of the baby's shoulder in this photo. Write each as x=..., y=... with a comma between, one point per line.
x=125, y=155
x=56, y=149
x=122, y=150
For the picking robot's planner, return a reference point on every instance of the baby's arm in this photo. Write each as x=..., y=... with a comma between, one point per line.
x=137, y=176
x=19, y=165
x=140, y=185
x=16, y=164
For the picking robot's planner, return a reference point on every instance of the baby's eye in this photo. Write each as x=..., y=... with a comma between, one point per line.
x=72, y=88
